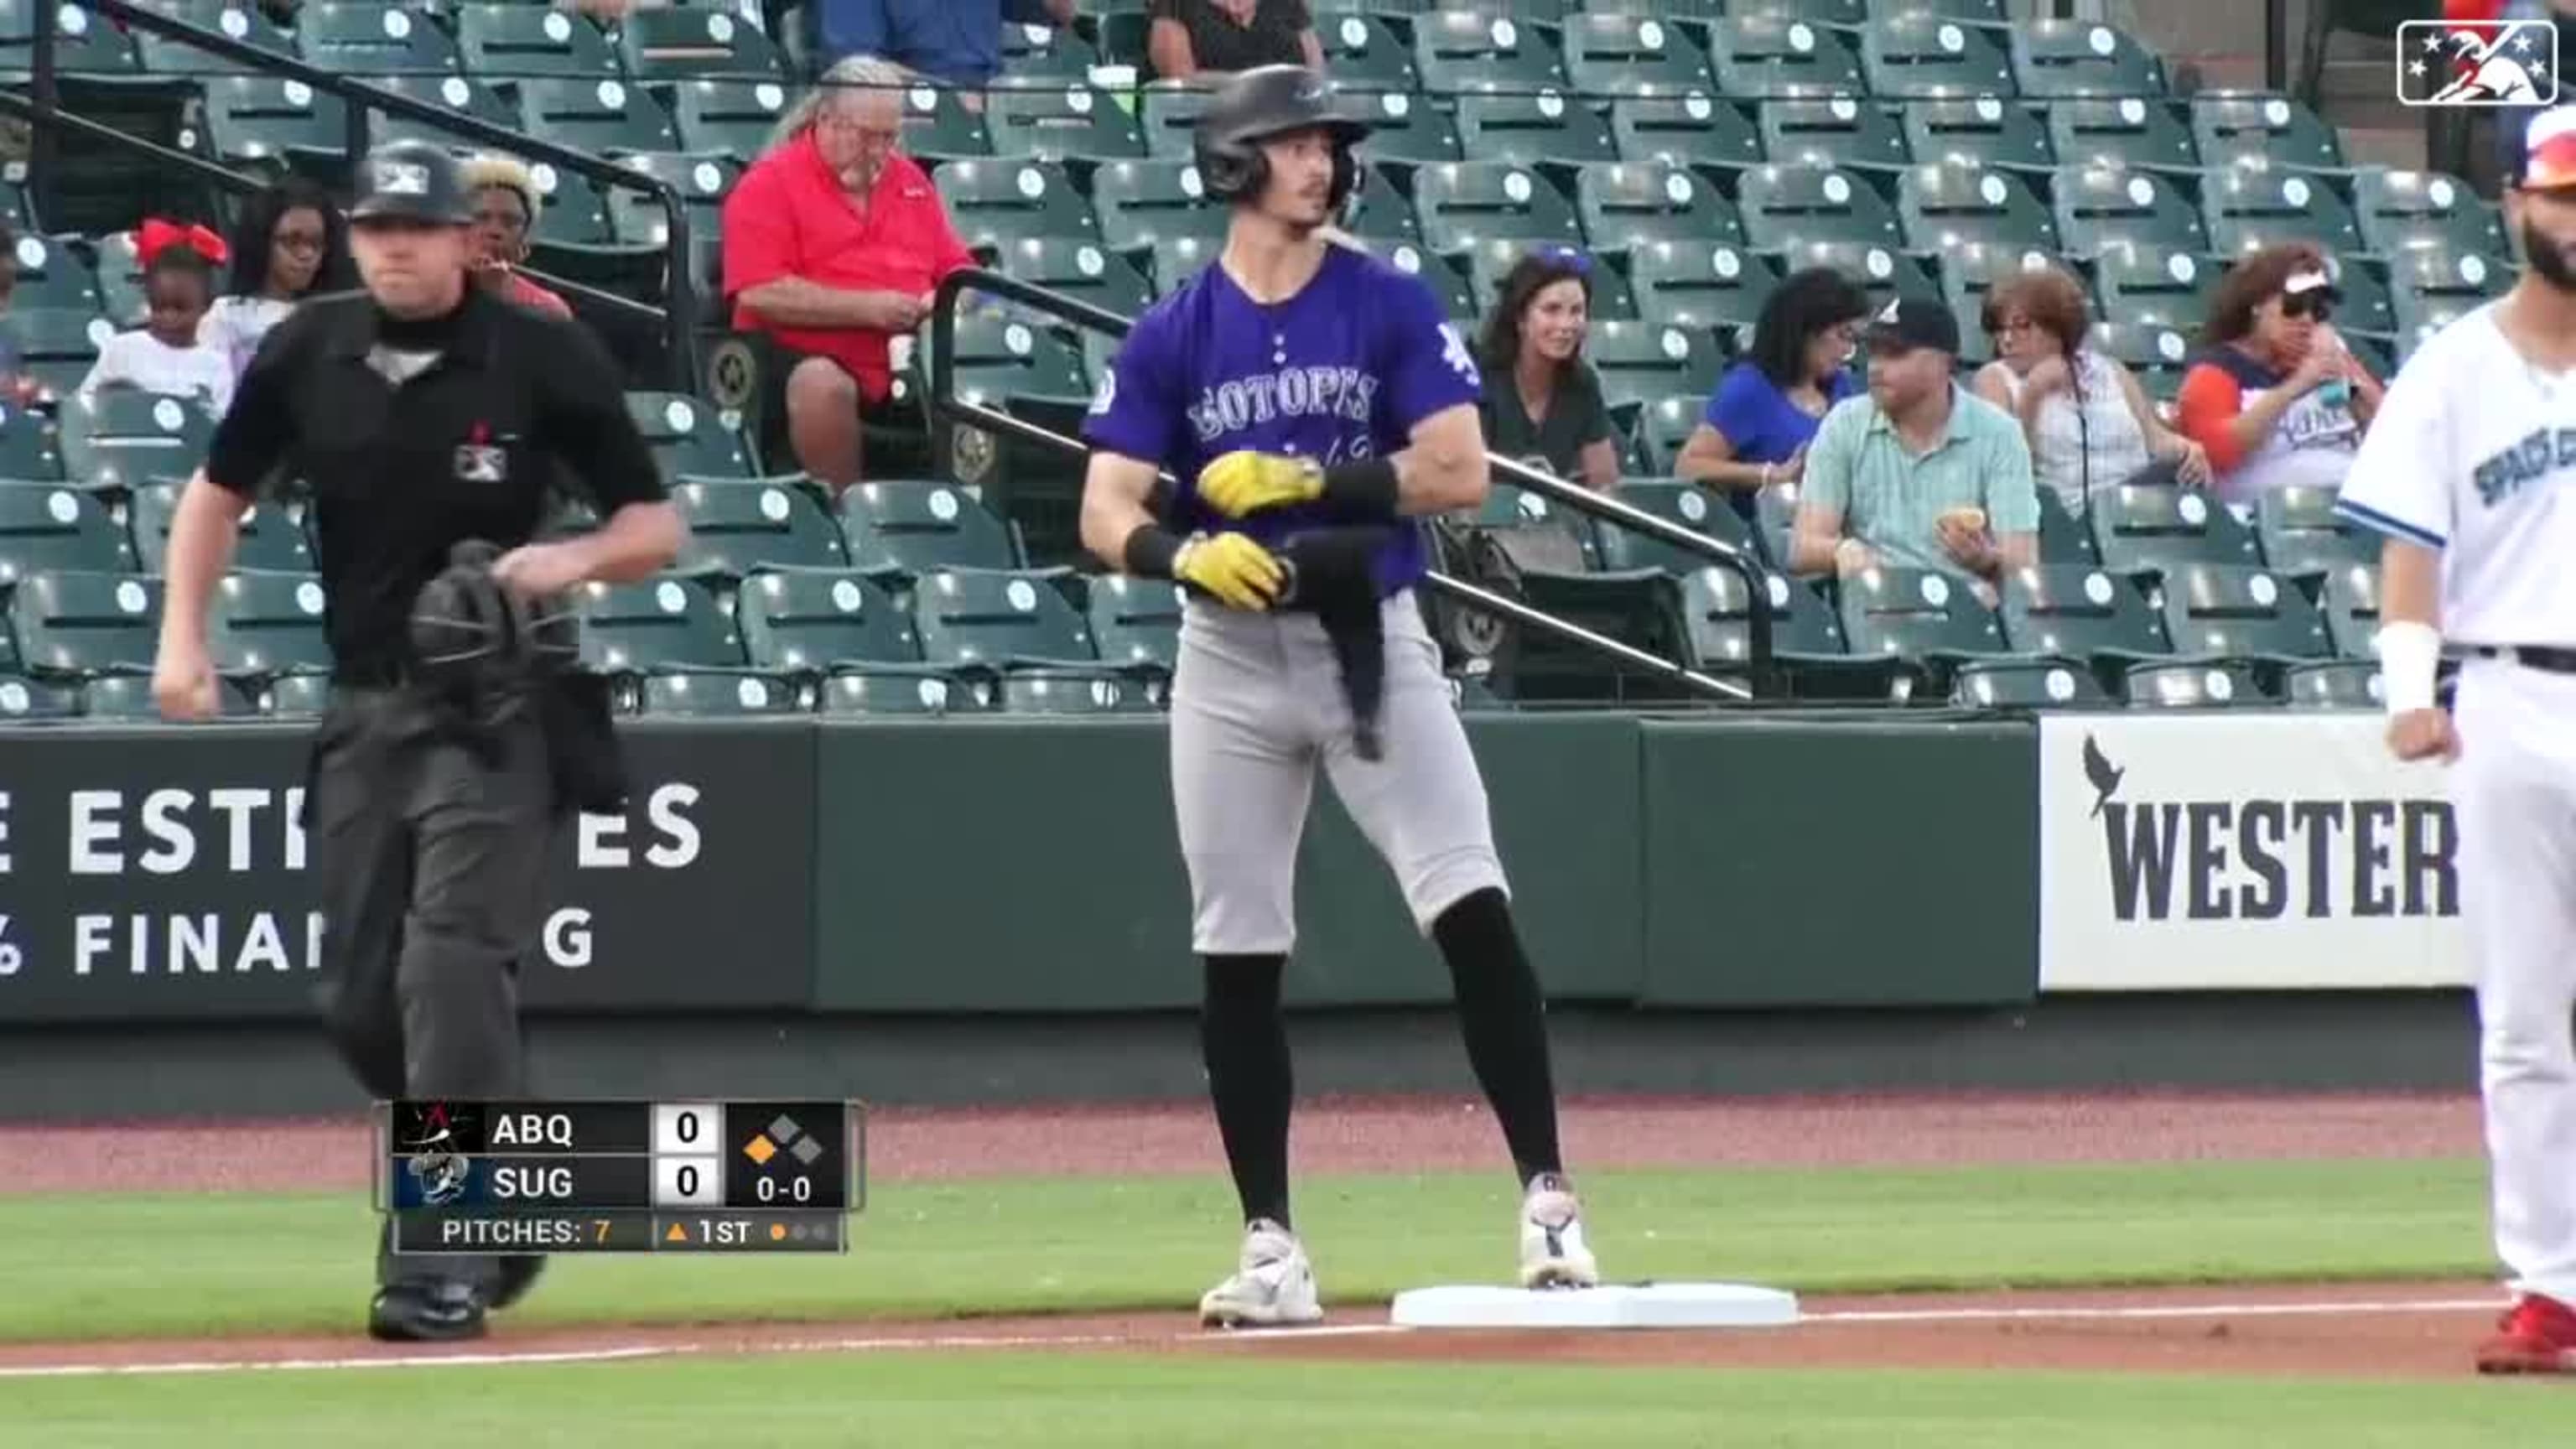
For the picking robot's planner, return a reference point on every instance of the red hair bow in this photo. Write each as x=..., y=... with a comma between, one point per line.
x=157, y=236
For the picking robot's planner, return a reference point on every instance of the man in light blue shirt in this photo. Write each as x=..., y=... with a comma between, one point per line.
x=1920, y=473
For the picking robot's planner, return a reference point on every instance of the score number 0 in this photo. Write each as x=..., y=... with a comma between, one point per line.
x=688, y=1160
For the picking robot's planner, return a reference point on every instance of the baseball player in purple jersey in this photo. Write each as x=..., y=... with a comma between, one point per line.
x=1313, y=405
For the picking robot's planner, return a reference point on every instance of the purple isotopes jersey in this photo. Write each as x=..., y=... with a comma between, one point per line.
x=1343, y=370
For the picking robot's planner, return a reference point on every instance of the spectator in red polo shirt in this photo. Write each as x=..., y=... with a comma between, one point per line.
x=833, y=243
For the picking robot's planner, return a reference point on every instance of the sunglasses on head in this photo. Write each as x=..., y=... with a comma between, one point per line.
x=1566, y=259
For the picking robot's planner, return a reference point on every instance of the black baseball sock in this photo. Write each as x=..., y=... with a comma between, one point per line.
x=1504, y=1019
x=1243, y=1038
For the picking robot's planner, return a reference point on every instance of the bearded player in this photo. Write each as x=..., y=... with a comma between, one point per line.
x=2462, y=473
x=1298, y=387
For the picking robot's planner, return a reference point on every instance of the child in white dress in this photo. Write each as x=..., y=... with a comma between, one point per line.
x=164, y=355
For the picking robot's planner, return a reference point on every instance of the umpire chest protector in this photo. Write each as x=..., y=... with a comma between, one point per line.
x=1262, y=105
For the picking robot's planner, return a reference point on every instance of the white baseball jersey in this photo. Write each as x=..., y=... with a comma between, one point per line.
x=2469, y=454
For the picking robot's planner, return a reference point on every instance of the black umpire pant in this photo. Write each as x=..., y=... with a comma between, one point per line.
x=430, y=843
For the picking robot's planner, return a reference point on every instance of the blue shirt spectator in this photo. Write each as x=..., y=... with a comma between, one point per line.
x=1754, y=432
x=955, y=42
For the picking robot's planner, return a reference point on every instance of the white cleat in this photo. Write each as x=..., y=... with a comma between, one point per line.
x=1272, y=1286
x=1553, y=1253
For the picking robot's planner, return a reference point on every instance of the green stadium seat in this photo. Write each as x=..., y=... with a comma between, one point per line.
x=56, y=346
x=1406, y=129
x=117, y=438
x=507, y=41
x=127, y=699
x=1680, y=502
x=2349, y=596
x=262, y=625
x=1607, y=56
x=1380, y=211
x=1775, y=517
x=574, y=237
x=30, y=446
x=1135, y=623
x=2403, y=210
x=1071, y=691
x=695, y=44
x=1075, y=122
x=1709, y=287
x=1927, y=619
x=1695, y=131
x=2091, y=616
x=1082, y=270
x=1175, y=259
x=1765, y=57
x=1143, y=202
x=1884, y=272
x=2247, y=208
x=459, y=95
x=1977, y=131
x=2131, y=132
x=25, y=701
x=2234, y=128
x=703, y=183
x=1489, y=263
x=271, y=540
x=73, y=624
x=2156, y=354
x=120, y=279
x=1534, y=129
x=2027, y=684
x=1845, y=131
x=732, y=117
x=1693, y=10
x=1050, y=53
x=608, y=116
x=1852, y=13
x=938, y=126
x=2368, y=308
x=367, y=39
x=739, y=525
x=1000, y=619
x=653, y=625
x=921, y=527
x=53, y=277
x=2054, y=58
x=1457, y=52
x=1365, y=56
x=2151, y=289
x=1638, y=607
x=722, y=695
x=2302, y=534
x=1969, y=272
x=1002, y=358
x=2064, y=537
x=1784, y=206
x=2150, y=526
x=2194, y=685
x=1447, y=280
x=1628, y=205
x=2334, y=684
x=1472, y=202
x=2133, y=214
x=1945, y=208
x=819, y=620
x=244, y=22
x=281, y=125
x=884, y=691
x=992, y=202
x=1641, y=361
x=1807, y=646
x=1168, y=113
x=85, y=42
x=1664, y=426
x=1915, y=56
x=688, y=436
x=293, y=696
x=2241, y=612
x=2431, y=289
x=48, y=527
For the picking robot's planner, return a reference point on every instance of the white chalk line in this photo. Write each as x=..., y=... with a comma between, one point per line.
x=895, y=1343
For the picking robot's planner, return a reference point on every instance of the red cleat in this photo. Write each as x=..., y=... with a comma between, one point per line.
x=2536, y=1336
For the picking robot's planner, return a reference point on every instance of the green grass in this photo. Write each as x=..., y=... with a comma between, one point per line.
x=982, y=1401
x=130, y=1265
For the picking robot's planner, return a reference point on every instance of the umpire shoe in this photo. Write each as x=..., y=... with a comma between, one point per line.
x=2536, y=1336
x=1553, y=1253
x=1273, y=1285
x=436, y=1312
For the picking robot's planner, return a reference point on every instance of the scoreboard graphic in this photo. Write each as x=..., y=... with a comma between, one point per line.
x=465, y=1177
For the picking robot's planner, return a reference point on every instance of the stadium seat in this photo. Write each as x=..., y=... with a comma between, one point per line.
x=1944, y=208
x=1047, y=690
x=1143, y=202
x=1927, y=619
x=737, y=525
x=508, y=41
x=2232, y=128
x=695, y=44
x=461, y=95
x=1002, y=359
x=57, y=346
x=1882, y=270
x=1921, y=55
x=1365, y=56
x=609, y=117
x=2026, y=684
x=1638, y=607
x=1980, y=12
x=1446, y=279
x=371, y=39
x=686, y=694
x=1406, y=129
x=127, y=699
x=117, y=438
x=1784, y=206
x=1534, y=129
x=1762, y=57
x=2241, y=612
x=2349, y=597
x=1852, y=13
x=2402, y=210
x=2153, y=289
x=2091, y=616
x=293, y=696
x=1708, y=287
x=655, y=624
x=2367, y=309
x=1845, y=131
x=818, y=620
x=2302, y=534
x=2151, y=526
x=2064, y=537
x=1379, y=211
x=1806, y=637
x=1135, y=623
x=263, y=625
x=1692, y=131
x=1641, y=361
x=1627, y=205
x=1490, y=262
x=46, y=527
x=1470, y=202
x=72, y=624
x=993, y=202
x=2133, y=214
x=881, y=691
x=1608, y=56
x=282, y=125
x=2132, y=132
x=2247, y=208
x=52, y=277
x=2333, y=684
x=25, y=701
x=120, y=279
x=2431, y=288
x=1081, y=270
x=2193, y=685
x=236, y=19
x=2157, y=355
x=1168, y=114
x=1977, y=131
x=30, y=446
x=688, y=436
x=1457, y=52
x=1000, y=619
x=1677, y=502
x=1043, y=53
x=85, y=43
x=703, y=183
x=919, y=527
x=271, y=541
x=938, y=126
x=2052, y=58
x=731, y=117
x=1073, y=122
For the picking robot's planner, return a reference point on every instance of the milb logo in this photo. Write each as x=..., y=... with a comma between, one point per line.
x=2261, y=859
x=2478, y=63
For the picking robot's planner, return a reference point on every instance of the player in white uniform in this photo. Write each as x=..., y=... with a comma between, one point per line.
x=2462, y=473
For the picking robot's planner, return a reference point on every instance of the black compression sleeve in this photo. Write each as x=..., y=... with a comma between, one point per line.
x=1361, y=492
x=1150, y=551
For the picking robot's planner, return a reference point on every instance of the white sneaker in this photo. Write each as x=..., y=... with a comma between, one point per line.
x=1272, y=1285
x=1553, y=1254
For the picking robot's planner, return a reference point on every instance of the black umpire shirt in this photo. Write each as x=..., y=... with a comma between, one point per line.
x=462, y=448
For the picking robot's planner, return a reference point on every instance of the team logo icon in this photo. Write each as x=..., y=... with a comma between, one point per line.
x=2494, y=63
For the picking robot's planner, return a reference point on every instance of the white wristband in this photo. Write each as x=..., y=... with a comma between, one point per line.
x=2409, y=654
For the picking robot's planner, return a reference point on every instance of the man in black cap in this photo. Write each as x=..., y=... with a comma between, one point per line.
x=1921, y=473
x=424, y=413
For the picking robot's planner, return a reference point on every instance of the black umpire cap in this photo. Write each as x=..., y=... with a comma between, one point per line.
x=411, y=181
x=1262, y=104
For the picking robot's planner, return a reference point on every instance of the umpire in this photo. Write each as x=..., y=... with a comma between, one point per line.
x=425, y=414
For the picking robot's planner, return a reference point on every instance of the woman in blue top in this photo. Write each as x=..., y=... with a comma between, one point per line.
x=1754, y=431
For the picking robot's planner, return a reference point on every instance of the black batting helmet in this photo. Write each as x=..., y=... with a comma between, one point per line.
x=1263, y=104
x=469, y=631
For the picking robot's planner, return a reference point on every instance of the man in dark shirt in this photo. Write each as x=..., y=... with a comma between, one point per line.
x=424, y=412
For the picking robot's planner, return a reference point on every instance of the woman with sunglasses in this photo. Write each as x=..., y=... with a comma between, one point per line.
x=2276, y=398
x=1755, y=429
x=2088, y=422
x=1542, y=402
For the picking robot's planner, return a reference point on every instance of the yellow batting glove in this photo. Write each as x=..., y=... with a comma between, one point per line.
x=1244, y=481
x=1232, y=567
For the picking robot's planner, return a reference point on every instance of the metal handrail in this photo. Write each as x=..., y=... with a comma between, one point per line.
x=944, y=398
x=359, y=98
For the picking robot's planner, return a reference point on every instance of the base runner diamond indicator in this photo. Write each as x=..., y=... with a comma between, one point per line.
x=785, y=1130
x=760, y=1150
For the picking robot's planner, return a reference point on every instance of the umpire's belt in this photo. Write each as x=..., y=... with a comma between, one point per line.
x=2531, y=656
